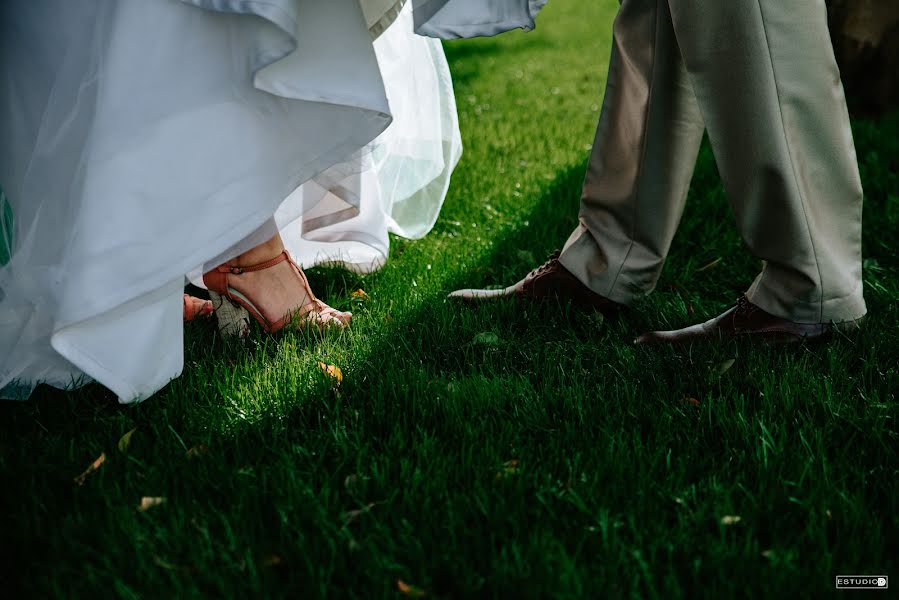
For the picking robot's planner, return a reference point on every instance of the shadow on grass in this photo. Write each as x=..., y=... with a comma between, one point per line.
x=525, y=245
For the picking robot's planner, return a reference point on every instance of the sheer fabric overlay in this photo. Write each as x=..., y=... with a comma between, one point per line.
x=396, y=184
x=133, y=155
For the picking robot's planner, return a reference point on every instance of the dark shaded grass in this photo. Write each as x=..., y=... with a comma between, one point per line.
x=404, y=473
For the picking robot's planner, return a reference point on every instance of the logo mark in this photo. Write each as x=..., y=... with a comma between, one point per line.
x=862, y=582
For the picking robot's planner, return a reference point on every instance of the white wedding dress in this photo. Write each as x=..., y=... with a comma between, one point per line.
x=142, y=141
x=398, y=182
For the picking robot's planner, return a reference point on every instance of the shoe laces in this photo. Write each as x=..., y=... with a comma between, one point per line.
x=745, y=308
x=550, y=263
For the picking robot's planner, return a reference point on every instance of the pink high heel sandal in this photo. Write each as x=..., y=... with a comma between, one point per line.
x=233, y=308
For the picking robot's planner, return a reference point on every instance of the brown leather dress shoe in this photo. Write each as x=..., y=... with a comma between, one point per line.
x=549, y=280
x=745, y=320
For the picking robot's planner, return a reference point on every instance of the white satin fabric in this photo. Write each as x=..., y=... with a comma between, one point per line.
x=141, y=140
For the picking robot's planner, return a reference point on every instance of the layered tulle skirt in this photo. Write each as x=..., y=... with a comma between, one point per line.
x=142, y=141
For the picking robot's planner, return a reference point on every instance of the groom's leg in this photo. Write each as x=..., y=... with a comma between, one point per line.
x=769, y=88
x=649, y=133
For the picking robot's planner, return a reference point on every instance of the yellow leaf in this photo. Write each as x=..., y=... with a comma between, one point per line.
x=351, y=482
x=510, y=468
x=688, y=400
x=711, y=265
x=93, y=467
x=125, y=440
x=730, y=519
x=351, y=515
x=164, y=564
x=332, y=372
x=272, y=560
x=197, y=451
x=360, y=295
x=148, y=502
x=409, y=590
x=724, y=367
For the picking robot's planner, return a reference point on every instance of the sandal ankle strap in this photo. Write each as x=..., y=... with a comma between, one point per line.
x=235, y=270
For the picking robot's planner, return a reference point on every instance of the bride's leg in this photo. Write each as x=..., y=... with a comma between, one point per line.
x=278, y=291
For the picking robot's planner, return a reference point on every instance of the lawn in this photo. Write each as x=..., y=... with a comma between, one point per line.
x=504, y=450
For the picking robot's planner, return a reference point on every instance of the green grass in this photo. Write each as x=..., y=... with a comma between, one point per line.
x=403, y=474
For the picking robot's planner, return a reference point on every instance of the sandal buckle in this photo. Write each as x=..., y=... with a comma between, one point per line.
x=236, y=270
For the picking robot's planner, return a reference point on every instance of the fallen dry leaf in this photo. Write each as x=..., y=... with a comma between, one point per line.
x=332, y=372
x=148, y=502
x=164, y=564
x=352, y=482
x=351, y=515
x=730, y=519
x=409, y=590
x=510, y=468
x=125, y=440
x=690, y=309
x=724, y=367
x=197, y=451
x=271, y=560
x=688, y=400
x=711, y=265
x=93, y=467
x=360, y=295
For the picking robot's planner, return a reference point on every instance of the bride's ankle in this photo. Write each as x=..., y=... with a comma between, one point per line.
x=259, y=254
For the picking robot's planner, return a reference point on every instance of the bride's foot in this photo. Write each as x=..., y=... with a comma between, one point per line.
x=196, y=307
x=272, y=289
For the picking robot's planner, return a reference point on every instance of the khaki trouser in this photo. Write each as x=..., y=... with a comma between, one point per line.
x=761, y=77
